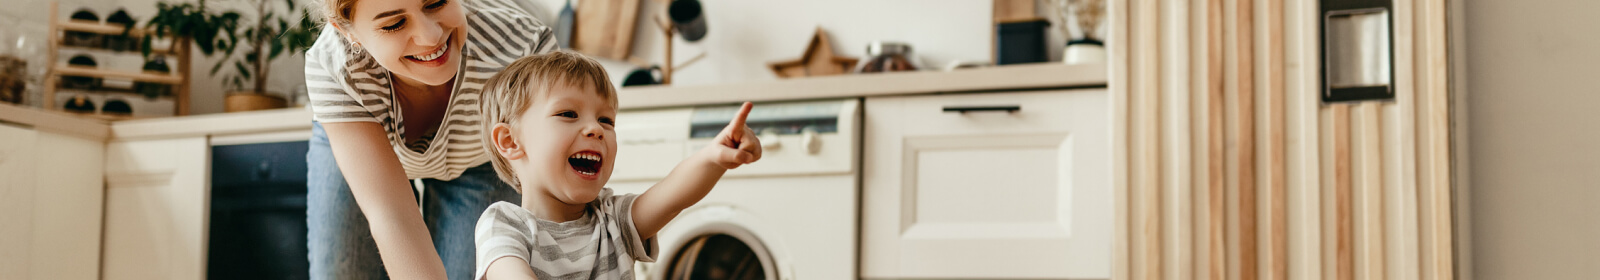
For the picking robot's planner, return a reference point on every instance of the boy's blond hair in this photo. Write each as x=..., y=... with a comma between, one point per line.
x=529, y=80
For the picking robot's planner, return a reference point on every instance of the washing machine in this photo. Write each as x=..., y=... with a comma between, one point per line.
x=791, y=215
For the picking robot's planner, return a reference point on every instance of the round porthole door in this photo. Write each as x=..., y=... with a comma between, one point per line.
x=718, y=257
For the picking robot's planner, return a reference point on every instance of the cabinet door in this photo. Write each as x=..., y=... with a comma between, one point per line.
x=50, y=196
x=16, y=201
x=67, y=207
x=990, y=185
x=155, y=221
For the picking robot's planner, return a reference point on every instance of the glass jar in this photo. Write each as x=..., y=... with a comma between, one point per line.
x=888, y=57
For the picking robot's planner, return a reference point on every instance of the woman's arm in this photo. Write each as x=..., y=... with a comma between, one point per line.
x=378, y=182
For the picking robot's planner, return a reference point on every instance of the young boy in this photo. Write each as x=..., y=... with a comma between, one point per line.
x=550, y=121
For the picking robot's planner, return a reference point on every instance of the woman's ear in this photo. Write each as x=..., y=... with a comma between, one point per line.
x=342, y=32
x=504, y=143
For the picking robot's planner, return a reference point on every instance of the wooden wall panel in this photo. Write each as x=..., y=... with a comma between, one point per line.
x=1145, y=150
x=1216, y=222
x=1433, y=145
x=1343, y=194
x=1178, y=188
x=1275, y=144
x=1230, y=167
x=1244, y=152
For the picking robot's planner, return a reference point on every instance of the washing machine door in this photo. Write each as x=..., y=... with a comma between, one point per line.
x=716, y=257
x=719, y=242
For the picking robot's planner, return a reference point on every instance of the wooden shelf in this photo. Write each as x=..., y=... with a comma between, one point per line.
x=68, y=70
x=1008, y=77
x=97, y=27
x=125, y=92
x=59, y=26
x=161, y=51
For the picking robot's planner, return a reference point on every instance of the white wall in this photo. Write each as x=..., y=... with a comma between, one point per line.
x=743, y=36
x=1534, y=138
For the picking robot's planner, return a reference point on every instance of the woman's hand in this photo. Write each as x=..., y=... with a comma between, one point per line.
x=737, y=145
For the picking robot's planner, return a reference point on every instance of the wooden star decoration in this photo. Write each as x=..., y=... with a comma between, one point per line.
x=818, y=60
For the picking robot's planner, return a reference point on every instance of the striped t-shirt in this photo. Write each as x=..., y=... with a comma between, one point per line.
x=347, y=85
x=603, y=244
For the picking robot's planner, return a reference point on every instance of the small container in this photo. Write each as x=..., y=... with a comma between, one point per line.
x=83, y=39
x=1022, y=42
x=156, y=65
x=77, y=82
x=888, y=57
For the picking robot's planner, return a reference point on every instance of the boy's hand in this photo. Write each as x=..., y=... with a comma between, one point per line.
x=736, y=145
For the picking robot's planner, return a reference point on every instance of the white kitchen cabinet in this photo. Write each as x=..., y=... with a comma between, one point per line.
x=156, y=208
x=51, y=191
x=988, y=192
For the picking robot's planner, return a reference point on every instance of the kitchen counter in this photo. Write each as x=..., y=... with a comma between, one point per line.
x=1001, y=78
x=988, y=79
x=56, y=122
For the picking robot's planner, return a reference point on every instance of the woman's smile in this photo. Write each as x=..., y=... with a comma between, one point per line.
x=435, y=58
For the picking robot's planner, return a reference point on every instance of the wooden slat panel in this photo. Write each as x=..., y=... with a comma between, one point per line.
x=1434, y=166
x=1397, y=178
x=1216, y=221
x=1277, y=166
x=1308, y=191
x=1368, y=211
x=1146, y=136
x=1119, y=79
x=1178, y=124
x=1344, y=247
x=1244, y=151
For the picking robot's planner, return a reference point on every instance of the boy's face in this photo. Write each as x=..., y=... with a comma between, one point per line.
x=571, y=142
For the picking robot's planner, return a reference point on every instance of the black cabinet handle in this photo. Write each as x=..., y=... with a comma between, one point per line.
x=969, y=109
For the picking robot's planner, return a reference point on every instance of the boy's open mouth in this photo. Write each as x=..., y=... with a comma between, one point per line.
x=585, y=162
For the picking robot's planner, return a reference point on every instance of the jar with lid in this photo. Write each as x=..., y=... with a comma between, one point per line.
x=888, y=57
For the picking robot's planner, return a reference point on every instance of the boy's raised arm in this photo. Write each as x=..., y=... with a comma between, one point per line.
x=693, y=178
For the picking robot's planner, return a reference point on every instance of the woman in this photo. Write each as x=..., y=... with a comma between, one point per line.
x=394, y=91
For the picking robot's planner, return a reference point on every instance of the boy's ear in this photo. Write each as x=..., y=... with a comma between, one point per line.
x=504, y=143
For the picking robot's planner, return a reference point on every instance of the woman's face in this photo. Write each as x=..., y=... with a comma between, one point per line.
x=417, y=40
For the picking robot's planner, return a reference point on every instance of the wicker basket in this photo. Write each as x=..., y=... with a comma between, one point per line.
x=251, y=101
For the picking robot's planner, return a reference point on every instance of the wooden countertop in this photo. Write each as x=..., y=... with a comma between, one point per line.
x=1010, y=77
x=55, y=122
x=295, y=118
x=1002, y=78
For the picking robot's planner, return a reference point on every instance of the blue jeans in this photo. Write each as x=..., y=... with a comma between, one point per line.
x=341, y=243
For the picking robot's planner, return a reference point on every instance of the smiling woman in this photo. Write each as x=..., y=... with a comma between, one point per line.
x=394, y=88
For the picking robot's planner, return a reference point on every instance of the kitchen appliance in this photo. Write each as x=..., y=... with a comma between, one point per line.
x=888, y=57
x=791, y=215
x=258, y=212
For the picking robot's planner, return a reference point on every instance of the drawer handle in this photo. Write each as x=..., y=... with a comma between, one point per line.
x=968, y=109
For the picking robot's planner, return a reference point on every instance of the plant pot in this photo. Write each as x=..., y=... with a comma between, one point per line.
x=1083, y=52
x=241, y=101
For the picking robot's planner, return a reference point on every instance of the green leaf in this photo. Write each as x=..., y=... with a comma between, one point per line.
x=276, y=49
x=219, y=65
x=244, y=71
x=144, y=46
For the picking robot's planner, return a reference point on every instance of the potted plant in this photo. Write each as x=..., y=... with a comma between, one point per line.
x=183, y=24
x=257, y=45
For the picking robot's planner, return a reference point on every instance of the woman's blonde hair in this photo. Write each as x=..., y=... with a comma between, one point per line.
x=529, y=80
x=335, y=11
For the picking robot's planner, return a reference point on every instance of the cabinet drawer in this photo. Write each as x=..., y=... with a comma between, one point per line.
x=1022, y=112
x=987, y=185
